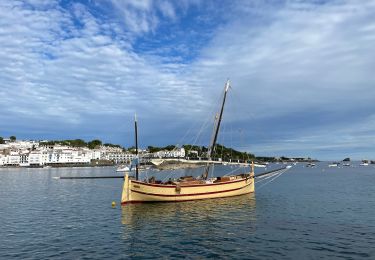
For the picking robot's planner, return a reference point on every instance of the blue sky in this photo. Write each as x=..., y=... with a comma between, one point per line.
x=302, y=73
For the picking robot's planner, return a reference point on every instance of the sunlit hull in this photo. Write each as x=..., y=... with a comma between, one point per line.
x=137, y=191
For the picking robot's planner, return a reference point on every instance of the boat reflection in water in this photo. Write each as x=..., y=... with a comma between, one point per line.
x=200, y=229
x=211, y=211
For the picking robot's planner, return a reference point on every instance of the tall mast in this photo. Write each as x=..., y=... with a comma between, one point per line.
x=136, y=146
x=211, y=148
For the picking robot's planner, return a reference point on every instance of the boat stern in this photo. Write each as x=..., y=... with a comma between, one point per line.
x=125, y=197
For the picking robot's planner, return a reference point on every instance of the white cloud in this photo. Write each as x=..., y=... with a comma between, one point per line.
x=68, y=64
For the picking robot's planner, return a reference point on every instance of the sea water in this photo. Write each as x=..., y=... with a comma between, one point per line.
x=306, y=213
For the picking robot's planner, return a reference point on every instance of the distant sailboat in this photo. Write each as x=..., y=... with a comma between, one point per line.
x=190, y=188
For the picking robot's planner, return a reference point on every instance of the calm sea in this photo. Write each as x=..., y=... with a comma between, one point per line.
x=307, y=213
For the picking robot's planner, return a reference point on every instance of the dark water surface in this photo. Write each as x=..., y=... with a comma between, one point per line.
x=307, y=213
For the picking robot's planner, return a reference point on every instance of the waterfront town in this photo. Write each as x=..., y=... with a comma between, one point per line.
x=26, y=153
x=45, y=153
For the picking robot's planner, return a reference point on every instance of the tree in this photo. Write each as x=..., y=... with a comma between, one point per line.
x=169, y=147
x=13, y=138
x=1, y=140
x=77, y=143
x=153, y=149
x=113, y=145
x=94, y=143
x=132, y=149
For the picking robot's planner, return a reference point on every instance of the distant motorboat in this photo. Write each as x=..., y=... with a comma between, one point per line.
x=310, y=165
x=123, y=168
x=364, y=163
x=333, y=165
x=260, y=165
x=346, y=164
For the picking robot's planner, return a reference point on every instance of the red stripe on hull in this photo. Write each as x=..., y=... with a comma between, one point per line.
x=191, y=194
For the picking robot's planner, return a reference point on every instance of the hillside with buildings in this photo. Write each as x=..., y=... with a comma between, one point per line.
x=27, y=153
x=44, y=153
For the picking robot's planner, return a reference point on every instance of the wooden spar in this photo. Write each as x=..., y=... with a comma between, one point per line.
x=216, y=131
x=136, y=146
x=89, y=177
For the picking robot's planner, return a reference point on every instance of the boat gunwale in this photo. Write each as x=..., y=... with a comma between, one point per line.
x=193, y=185
x=190, y=194
x=174, y=201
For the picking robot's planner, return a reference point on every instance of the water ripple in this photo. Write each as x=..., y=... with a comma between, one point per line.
x=306, y=213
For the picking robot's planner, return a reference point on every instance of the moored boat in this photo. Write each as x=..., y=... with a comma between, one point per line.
x=189, y=188
x=334, y=164
x=364, y=163
x=186, y=189
x=123, y=168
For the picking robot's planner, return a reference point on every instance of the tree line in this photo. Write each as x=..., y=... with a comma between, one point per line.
x=11, y=138
x=81, y=143
x=195, y=151
x=192, y=151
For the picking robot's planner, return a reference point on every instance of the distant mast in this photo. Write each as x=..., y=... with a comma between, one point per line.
x=211, y=148
x=136, y=146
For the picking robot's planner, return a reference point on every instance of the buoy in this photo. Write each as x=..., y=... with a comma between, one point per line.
x=113, y=204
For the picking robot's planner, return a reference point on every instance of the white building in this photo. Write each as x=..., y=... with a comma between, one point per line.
x=24, y=158
x=35, y=158
x=29, y=153
x=175, y=153
x=119, y=157
x=96, y=154
x=66, y=155
x=2, y=160
x=13, y=159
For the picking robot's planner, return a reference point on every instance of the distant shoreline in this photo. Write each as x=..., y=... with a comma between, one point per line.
x=58, y=166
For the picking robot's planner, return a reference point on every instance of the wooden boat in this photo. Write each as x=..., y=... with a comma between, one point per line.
x=188, y=188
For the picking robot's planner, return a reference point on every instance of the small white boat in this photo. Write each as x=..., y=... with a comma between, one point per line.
x=346, y=164
x=260, y=165
x=364, y=163
x=123, y=168
x=333, y=165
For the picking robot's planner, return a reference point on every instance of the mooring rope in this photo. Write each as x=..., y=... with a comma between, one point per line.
x=276, y=176
x=265, y=177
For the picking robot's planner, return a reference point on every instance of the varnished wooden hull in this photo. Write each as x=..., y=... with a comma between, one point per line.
x=137, y=191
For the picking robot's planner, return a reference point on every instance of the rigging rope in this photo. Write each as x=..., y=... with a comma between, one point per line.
x=235, y=169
